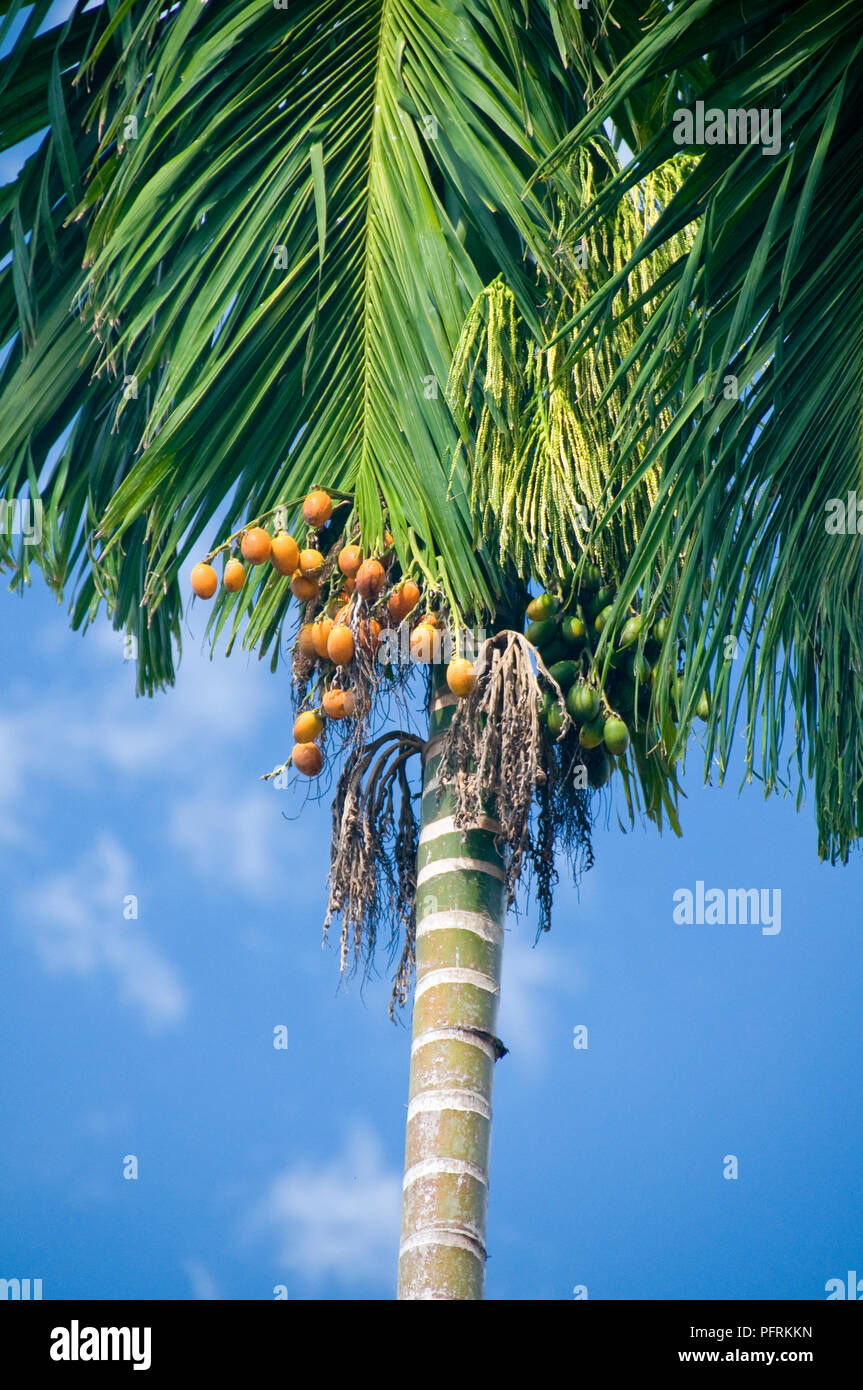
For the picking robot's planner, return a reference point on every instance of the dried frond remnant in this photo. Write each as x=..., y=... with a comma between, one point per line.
x=495, y=757
x=373, y=855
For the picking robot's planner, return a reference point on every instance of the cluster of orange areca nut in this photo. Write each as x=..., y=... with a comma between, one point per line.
x=258, y=546
x=350, y=609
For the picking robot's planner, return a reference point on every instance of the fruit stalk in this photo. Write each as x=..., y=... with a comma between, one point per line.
x=460, y=909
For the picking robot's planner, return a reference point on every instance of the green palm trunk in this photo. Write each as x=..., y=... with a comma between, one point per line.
x=460, y=912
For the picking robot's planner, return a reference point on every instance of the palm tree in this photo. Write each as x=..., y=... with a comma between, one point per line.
x=445, y=261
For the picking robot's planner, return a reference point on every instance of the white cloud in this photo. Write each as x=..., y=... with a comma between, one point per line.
x=338, y=1219
x=241, y=838
x=213, y=702
x=79, y=732
x=75, y=733
x=229, y=837
x=76, y=925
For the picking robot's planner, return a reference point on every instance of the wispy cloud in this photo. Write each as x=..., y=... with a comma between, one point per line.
x=75, y=922
x=229, y=837
x=338, y=1219
x=81, y=729
x=240, y=838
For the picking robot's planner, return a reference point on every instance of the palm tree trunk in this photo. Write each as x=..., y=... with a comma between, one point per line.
x=460, y=912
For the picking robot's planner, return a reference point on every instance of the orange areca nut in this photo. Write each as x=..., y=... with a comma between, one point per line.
x=423, y=642
x=310, y=562
x=318, y=508
x=307, y=726
x=410, y=595
x=402, y=601
x=349, y=704
x=285, y=553
x=234, y=576
x=303, y=588
x=370, y=635
x=370, y=579
x=320, y=635
x=340, y=646
x=461, y=677
x=204, y=579
x=334, y=703
x=395, y=607
x=306, y=640
x=307, y=758
x=350, y=559
x=256, y=545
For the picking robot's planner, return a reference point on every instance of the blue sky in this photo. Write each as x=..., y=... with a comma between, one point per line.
x=154, y=1036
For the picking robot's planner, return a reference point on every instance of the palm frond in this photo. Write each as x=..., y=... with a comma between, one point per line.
x=755, y=346
x=57, y=444
x=287, y=214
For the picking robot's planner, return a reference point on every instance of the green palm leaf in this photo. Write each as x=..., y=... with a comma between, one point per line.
x=756, y=348
x=287, y=218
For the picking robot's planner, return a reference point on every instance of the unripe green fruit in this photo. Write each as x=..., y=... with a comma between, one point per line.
x=573, y=631
x=541, y=632
x=564, y=672
x=602, y=617
x=590, y=735
x=615, y=735
x=583, y=702
x=541, y=608
x=555, y=719
x=555, y=651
